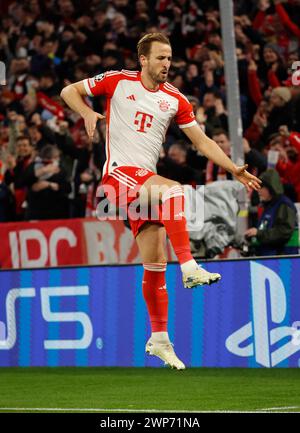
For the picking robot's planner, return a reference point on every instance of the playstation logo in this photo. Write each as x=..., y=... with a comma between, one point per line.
x=268, y=300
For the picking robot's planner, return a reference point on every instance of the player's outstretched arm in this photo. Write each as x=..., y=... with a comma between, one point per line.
x=73, y=96
x=212, y=151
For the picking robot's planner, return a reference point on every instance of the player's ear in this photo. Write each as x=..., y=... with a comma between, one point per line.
x=143, y=60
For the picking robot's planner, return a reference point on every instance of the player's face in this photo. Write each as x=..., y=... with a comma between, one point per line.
x=158, y=62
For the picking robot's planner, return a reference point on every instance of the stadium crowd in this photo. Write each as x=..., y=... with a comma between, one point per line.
x=48, y=167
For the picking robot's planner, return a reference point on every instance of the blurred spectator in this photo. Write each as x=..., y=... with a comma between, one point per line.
x=213, y=171
x=86, y=168
x=281, y=110
x=256, y=161
x=7, y=202
x=14, y=175
x=39, y=133
x=48, y=187
x=277, y=221
x=174, y=165
x=48, y=84
x=216, y=115
x=288, y=165
x=17, y=127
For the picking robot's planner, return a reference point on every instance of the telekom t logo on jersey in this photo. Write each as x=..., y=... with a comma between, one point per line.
x=143, y=121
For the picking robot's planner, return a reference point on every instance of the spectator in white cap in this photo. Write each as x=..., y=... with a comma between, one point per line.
x=280, y=101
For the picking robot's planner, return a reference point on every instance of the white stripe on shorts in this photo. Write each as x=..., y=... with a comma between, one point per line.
x=121, y=180
x=124, y=176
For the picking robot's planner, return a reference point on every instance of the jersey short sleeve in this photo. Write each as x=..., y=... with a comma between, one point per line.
x=185, y=115
x=102, y=84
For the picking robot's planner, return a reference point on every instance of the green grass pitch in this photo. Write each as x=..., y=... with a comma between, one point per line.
x=146, y=389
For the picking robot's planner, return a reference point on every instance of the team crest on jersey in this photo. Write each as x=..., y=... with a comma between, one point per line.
x=163, y=105
x=141, y=172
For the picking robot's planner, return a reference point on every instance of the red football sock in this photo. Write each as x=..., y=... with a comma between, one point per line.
x=175, y=222
x=156, y=295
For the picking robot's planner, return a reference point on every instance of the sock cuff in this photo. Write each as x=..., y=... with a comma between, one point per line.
x=174, y=191
x=155, y=267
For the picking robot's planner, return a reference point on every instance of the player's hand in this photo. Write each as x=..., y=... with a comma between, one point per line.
x=246, y=178
x=90, y=122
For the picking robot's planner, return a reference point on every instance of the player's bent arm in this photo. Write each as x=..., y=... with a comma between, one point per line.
x=212, y=151
x=209, y=148
x=73, y=96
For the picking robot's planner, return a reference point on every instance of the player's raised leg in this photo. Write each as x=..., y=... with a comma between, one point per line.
x=151, y=243
x=171, y=196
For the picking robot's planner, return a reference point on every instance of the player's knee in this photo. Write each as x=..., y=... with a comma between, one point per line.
x=174, y=183
x=174, y=186
x=174, y=189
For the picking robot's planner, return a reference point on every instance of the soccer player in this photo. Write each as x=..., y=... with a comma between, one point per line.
x=140, y=107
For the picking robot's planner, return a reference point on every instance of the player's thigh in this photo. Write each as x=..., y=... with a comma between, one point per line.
x=154, y=187
x=151, y=242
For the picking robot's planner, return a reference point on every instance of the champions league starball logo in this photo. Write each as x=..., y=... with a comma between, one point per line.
x=99, y=77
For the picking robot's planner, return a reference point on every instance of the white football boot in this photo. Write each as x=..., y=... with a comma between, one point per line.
x=166, y=353
x=199, y=277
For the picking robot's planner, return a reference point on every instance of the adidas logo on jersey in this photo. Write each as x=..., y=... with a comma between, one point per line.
x=132, y=97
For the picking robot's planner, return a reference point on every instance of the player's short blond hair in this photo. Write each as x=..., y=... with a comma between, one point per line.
x=144, y=44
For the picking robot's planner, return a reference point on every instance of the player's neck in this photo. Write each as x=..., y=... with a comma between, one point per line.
x=148, y=82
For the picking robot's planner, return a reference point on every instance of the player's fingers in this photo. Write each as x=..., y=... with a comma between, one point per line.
x=89, y=132
x=90, y=129
x=256, y=179
x=241, y=170
x=100, y=116
x=92, y=124
x=253, y=184
x=248, y=187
